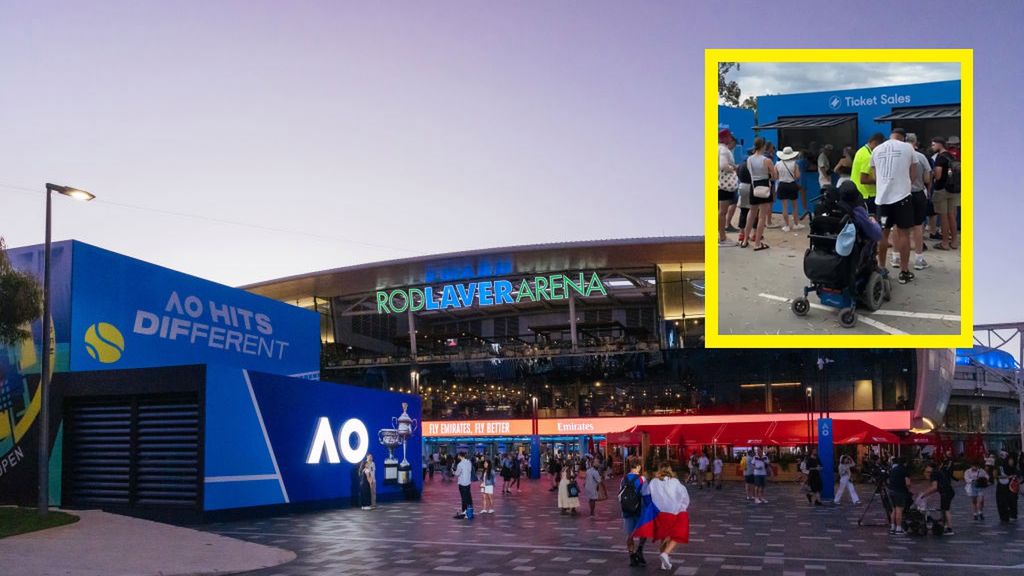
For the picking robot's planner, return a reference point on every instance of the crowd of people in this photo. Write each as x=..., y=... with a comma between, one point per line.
x=906, y=194
x=654, y=503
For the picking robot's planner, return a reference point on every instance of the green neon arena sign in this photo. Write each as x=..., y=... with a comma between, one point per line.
x=553, y=287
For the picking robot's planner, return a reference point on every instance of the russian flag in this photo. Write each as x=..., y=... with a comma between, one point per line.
x=664, y=513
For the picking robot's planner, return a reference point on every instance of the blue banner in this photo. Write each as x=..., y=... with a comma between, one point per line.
x=127, y=313
x=277, y=440
x=826, y=453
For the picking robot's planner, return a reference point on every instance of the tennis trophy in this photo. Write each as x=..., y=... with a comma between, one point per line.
x=405, y=426
x=390, y=439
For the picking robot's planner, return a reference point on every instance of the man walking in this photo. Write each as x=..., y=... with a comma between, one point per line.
x=702, y=468
x=946, y=202
x=464, y=476
x=899, y=495
x=919, y=199
x=892, y=170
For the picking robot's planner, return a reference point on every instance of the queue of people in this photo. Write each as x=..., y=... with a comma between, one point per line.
x=909, y=192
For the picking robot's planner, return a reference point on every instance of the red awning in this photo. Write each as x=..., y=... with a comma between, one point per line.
x=760, y=433
x=794, y=433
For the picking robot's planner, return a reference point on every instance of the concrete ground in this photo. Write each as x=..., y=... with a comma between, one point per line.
x=729, y=535
x=102, y=544
x=756, y=289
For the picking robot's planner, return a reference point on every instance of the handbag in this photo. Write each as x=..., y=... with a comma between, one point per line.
x=573, y=489
x=759, y=191
x=728, y=181
x=1014, y=485
x=845, y=240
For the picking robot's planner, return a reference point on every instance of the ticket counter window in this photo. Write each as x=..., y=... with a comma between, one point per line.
x=800, y=132
x=926, y=122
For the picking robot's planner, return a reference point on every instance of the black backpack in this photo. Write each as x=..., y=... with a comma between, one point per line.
x=629, y=498
x=953, y=180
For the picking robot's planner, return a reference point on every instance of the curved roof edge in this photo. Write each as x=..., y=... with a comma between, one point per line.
x=482, y=252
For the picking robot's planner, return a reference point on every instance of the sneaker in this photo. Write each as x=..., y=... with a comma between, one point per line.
x=905, y=277
x=458, y=516
x=799, y=226
x=785, y=228
x=948, y=532
x=935, y=236
x=920, y=263
x=366, y=508
x=898, y=532
x=731, y=228
x=632, y=560
x=727, y=243
x=892, y=531
x=640, y=560
x=894, y=260
x=665, y=563
x=857, y=503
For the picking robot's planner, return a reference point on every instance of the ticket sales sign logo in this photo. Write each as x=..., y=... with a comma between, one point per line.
x=553, y=287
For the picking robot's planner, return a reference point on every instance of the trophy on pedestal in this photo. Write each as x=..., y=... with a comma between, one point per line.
x=390, y=439
x=405, y=426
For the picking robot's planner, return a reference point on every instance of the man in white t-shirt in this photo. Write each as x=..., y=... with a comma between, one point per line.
x=702, y=466
x=892, y=168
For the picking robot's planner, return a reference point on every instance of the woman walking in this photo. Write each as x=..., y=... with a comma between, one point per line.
x=814, y=478
x=666, y=517
x=975, y=482
x=845, y=470
x=631, y=500
x=568, y=492
x=487, y=487
x=789, y=187
x=591, y=483
x=762, y=172
x=1007, y=488
x=516, y=471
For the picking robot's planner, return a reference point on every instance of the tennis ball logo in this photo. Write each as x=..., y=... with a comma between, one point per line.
x=104, y=342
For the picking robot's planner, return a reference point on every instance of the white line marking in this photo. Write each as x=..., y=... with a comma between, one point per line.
x=613, y=550
x=266, y=437
x=923, y=315
x=862, y=317
x=247, y=478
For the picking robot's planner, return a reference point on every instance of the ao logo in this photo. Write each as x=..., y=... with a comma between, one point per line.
x=834, y=102
x=104, y=342
x=826, y=430
x=323, y=441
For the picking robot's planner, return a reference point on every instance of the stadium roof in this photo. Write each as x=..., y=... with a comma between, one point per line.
x=506, y=261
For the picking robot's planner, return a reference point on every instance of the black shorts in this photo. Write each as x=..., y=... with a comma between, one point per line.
x=899, y=499
x=726, y=196
x=945, y=499
x=754, y=200
x=788, y=191
x=920, y=202
x=870, y=203
x=900, y=214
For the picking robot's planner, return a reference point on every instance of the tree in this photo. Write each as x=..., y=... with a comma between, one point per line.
x=728, y=90
x=750, y=102
x=21, y=300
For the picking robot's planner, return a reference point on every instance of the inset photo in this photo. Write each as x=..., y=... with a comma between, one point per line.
x=842, y=198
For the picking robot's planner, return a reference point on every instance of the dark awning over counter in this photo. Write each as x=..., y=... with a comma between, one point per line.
x=921, y=114
x=806, y=122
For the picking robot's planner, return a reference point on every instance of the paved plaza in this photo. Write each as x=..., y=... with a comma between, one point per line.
x=756, y=289
x=527, y=534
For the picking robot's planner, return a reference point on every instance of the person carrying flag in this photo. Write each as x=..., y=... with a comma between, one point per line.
x=665, y=516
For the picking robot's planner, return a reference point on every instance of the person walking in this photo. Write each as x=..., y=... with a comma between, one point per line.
x=814, y=484
x=760, y=472
x=1007, y=487
x=487, y=487
x=666, y=518
x=899, y=495
x=728, y=184
x=747, y=464
x=716, y=467
x=464, y=478
x=762, y=172
x=845, y=484
x=516, y=472
x=976, y=480
x=702, y=469
x=592, y=484
x=568, y=492
x=941, y=478
x=788, y=188
x=506, y=473
x=631, y=502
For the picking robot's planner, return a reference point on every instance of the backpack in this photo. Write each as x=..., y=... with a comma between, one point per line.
x=629, y=498
x=953, y=180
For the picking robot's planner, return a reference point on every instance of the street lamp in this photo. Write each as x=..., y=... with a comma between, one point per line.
x=809, y=404
x=44, y=373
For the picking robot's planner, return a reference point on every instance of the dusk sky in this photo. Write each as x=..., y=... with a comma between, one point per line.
x=344, y=132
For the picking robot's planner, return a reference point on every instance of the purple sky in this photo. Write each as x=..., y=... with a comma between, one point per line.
x=386, y=130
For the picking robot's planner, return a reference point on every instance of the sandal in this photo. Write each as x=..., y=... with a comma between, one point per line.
x=744, y=244
x=763, y=246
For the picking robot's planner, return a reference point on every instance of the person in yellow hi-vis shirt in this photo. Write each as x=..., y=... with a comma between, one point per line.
x=860, y=173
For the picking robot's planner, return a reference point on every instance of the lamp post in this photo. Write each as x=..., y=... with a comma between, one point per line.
x=44, y=368
x=809, y=404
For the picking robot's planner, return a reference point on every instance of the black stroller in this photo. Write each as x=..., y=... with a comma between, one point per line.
x=840, y=281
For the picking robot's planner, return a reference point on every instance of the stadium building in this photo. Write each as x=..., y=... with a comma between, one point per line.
x=604, y=335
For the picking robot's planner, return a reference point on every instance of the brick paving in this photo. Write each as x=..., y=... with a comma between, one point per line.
x=528, y=535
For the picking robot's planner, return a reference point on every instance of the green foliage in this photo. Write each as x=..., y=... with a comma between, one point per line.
x=21, y=300
x=14, y=520
x=728, y=90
